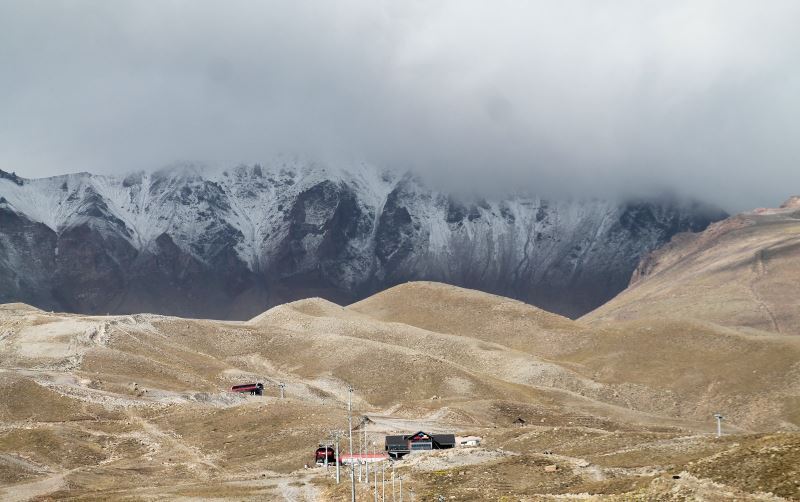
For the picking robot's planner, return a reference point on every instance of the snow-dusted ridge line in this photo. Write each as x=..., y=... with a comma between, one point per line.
x=352, y=228
x=60, y=201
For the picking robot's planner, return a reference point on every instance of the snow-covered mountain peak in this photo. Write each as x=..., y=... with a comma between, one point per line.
x=340, y=230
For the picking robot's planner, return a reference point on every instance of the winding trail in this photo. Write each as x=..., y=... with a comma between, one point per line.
x=34, y=489
x=760, y=270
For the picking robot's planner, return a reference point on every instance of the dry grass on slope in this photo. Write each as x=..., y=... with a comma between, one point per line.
x=391, y=362
x=664, y=366
x=740, y=272
x=22, y=399
x=620, y=404
x=698, y=368
x=467, y=313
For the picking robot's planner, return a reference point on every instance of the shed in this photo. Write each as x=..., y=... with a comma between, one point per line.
x=399, y=445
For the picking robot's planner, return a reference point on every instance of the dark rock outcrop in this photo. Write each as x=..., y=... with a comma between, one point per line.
x=179, y=242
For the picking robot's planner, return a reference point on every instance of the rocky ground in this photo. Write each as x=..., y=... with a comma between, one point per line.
x=137, y=407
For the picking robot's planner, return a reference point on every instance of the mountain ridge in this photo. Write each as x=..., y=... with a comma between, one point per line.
x=739, y=272
x=227, y=244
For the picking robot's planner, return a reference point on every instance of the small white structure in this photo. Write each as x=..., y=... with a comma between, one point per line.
x=468, y=441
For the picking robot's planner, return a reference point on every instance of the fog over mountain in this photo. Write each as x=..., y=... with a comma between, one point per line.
x=228, y=245
x=562, y=98
x=249, y=248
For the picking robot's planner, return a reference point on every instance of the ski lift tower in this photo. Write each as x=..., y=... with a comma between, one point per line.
x=350, y=390
x=719, y=418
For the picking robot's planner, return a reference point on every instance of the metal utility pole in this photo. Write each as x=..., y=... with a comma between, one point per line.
x=282, y=386
x=366, y=451
x=366, y=464
x=383, y=481
x=360, y=467
x=401, y=488
x=336, y=438
x=393, y=482
x=350, y=427
x=719, y=418
x=375, y=475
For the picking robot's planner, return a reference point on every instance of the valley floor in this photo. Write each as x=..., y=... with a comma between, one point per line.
x=174, y=453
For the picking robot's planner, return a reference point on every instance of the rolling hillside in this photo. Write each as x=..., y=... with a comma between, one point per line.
x=105, y=405
x=740, y=272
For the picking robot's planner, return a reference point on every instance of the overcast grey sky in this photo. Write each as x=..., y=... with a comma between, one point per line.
x=605, y=96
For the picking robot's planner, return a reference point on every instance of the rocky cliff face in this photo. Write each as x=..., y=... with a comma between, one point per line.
x=230, y=244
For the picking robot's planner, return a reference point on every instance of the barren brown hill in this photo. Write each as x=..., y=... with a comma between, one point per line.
x=137, y=406
x=666, y=366
x=743, y=272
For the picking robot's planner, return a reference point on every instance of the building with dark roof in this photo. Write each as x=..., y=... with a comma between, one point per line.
x=397, y=446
